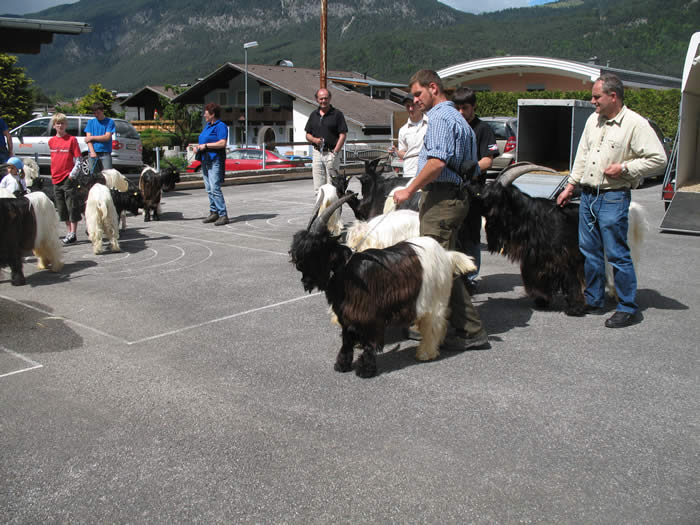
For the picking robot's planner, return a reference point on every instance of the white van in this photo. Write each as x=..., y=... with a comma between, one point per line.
x=31, y=139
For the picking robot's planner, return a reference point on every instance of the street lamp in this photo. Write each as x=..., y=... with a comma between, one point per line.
x=245, y=52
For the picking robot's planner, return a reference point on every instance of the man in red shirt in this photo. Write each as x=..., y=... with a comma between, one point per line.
x=65, y=166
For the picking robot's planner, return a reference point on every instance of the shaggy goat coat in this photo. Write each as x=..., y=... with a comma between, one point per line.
x=383, y=230
x=102, y=218
x=150, y=185
x=47, y=247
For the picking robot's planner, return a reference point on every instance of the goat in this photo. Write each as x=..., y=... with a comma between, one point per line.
x=375, y=190
x=101, y=217
x=28, y=223
x=115, y=180
x=326, y=196
x=405, y=283
x=383, y=231
x=169, y=176
x=541, y=236
x=151, y=186
x=125, y=201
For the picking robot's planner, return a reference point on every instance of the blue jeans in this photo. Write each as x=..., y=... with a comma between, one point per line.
x=602, y=232
x=213, y=175
x=103, y=161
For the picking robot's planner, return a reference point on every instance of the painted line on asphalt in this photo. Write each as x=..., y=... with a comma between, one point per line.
x=199, y=239
x=66, y=320
x=225, y=318
x=34, y=364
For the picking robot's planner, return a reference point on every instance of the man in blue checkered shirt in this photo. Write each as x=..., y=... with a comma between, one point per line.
x=448, y=142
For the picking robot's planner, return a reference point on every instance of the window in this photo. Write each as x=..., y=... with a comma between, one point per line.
x=535, y=87
x=222, y=98
x=240, y=98
x=266, y=97
x=37, y=128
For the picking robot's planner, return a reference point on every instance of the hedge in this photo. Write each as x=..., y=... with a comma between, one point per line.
x=661, y=106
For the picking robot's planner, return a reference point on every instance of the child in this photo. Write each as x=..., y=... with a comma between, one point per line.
x=65, y=166
x=14, y=180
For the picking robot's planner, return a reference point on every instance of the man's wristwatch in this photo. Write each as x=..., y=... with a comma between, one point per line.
x=625, y=170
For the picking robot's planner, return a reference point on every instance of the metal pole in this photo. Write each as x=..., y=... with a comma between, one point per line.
x=245, y=131
x=324, y=43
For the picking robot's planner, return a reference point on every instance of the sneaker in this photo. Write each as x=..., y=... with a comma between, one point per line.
x=221, y=221
x=213, y=216
x=623, y=319
x=69, y=239
x=457, y=342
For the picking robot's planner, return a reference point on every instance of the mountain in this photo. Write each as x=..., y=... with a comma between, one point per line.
x=139, y=42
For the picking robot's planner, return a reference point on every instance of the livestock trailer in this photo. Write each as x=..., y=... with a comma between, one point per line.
x=682, y=186
x=549, y=131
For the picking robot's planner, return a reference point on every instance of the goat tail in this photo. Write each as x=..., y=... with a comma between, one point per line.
x=461, y=264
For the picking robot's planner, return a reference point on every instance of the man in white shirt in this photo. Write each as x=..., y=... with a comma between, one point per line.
x=411, y=137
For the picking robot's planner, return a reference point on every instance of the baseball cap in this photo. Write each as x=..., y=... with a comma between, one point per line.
x=17, y=163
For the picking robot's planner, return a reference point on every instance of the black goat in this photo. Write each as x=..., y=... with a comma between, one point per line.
x=169, y=176
x=151, y=186
x=18, y=229
x=125, y=201
x=376, y=187
x=407, y=283
x=538, y=234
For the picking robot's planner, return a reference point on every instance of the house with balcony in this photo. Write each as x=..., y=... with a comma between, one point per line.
x=281, y=98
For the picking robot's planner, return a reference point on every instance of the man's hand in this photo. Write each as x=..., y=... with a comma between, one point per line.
x=402, y=196
x=614, y=171
x=565, y=196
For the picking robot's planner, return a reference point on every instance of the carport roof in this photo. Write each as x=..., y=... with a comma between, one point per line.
x=459, y=73
x=302, y=84
x=25, y=35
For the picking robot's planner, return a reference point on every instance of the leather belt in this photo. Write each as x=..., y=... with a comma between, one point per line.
x=590, y=190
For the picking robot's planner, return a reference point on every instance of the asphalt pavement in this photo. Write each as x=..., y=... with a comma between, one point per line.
x=189, y=378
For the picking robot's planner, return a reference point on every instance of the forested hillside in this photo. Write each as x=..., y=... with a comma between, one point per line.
x=138, y=42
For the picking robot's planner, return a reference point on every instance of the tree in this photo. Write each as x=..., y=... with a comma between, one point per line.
x=97, y=94
x=186, y=119
x=16, y=98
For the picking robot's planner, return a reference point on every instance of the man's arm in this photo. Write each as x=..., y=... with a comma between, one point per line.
x=428, y=174
x=341, y=141
x=485, y=163
x=8, y=140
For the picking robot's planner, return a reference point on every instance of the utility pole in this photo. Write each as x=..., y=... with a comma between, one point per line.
x=324, y=43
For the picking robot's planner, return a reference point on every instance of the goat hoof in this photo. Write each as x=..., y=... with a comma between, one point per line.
x=575, y=312
x=156, y=218
x=541, y=303
x=342, y=367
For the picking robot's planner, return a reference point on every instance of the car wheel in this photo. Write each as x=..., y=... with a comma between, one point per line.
x=85, y=165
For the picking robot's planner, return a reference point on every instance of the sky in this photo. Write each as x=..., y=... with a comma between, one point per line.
x=20, y=7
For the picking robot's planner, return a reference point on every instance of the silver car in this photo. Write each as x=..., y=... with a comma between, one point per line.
x=31, y=139
x=506, y=131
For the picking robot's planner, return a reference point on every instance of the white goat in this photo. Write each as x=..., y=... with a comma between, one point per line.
x=101, y=217
x=327, y=195
x=47, y=247
x=383, y=230
x=115, y=180
x=638, y=226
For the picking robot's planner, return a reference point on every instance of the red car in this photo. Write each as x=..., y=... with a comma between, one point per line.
x=251, y=159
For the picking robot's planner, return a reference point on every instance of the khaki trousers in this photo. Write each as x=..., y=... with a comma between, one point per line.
x=324, y=165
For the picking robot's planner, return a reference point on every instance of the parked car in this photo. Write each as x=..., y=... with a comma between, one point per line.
x=668, y=146
x=506, y=131
x=241, y=159
x=31, y=139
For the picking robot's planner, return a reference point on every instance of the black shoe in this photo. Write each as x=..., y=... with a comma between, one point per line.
x=459, y=342
x=593, y=310
x=622, y=319
x=471, y=286
x=221, y=221
x=213, y=216
x=69, y=239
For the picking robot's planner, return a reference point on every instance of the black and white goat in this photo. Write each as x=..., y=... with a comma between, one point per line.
x=130, y=200
x=28, y=224
x=169, y=176
x=151, y=186
x=407, y=283
x=543, y=238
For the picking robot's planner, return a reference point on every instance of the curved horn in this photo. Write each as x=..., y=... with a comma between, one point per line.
x=321, y=221
x=317, y=207
x=512, y=172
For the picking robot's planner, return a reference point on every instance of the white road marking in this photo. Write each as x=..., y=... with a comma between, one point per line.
x=34, y=364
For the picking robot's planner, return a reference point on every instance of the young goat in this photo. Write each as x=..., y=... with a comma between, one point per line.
x=405, y=283
x=102, y=218
x=151, y=184
x=125, y=201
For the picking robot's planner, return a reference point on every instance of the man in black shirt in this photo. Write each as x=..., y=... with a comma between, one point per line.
x=326, y=130
x=487, y=149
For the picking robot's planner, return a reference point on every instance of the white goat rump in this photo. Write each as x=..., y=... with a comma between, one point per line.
x=637, y=229
x=47, y=247
x=115, y=180
x=102, y=219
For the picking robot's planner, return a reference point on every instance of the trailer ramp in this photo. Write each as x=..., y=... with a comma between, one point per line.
x=683, y=214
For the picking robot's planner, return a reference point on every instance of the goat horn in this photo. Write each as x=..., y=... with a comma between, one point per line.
x=512, y=172
x=321, y=222
x=317, y=207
